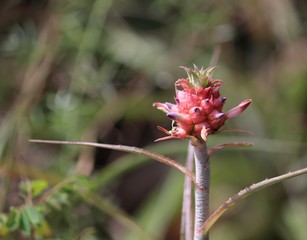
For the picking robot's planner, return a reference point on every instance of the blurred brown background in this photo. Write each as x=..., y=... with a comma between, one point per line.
x=90, y=69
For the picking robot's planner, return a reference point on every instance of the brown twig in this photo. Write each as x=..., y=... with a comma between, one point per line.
x=243, y=194
x=158, y=157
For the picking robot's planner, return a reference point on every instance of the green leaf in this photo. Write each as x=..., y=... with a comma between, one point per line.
x=25, y=186
x=38, y=186
x=58, y=200
x=33, y=215
x=25, y=225
x=13, y=221
x=53, y=203
x=3, y=220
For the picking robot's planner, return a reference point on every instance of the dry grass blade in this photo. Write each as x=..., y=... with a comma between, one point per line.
x=158, y=157
x=243, y=194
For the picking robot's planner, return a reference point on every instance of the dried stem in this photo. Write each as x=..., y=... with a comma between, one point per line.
x=123, y=148
x=243, y=194
x=202, y=176
x=186, y=216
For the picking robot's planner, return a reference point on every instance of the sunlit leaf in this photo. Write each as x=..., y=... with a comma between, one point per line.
x=38, y=186
x=3, y=219
x=3, y=224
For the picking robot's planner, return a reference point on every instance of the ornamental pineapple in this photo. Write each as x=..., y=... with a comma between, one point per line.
x=198, y=108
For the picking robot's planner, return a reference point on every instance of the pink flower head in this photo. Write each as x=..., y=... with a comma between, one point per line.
x=198, y=108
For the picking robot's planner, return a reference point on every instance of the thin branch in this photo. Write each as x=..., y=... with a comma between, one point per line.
x=243, y=194
x=158, y=157
x=202, y=176
x=186, y=213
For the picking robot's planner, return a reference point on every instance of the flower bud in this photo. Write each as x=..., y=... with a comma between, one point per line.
x=198, y=108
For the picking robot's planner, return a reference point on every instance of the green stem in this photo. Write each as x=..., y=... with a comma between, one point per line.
x=202, y=177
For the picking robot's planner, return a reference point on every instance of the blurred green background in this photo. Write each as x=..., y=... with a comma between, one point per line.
x=90, y=70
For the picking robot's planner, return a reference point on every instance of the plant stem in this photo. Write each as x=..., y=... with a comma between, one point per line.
x=232, y=201
x=186, y=228
x=202, y=177
x=141, y=151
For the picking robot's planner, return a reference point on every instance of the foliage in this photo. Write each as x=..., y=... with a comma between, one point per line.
x=30, y=217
